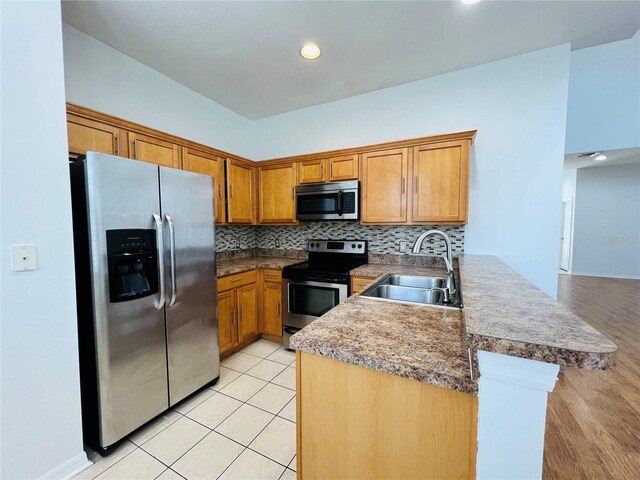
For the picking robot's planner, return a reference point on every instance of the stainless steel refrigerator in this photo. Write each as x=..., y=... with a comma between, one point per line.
x=146, y=291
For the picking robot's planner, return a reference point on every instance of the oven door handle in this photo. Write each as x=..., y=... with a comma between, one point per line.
x=340, y=207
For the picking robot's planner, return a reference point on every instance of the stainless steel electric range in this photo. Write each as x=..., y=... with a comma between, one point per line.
x=312, y=288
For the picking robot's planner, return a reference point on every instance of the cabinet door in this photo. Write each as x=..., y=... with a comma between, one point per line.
x=153, y=150
x=88, y=135
x=247, y=312
x=272, y=308
x=358, y=284
x=227, y=330
x=200, y=162
x=240, y=207
x=312, y=171
x=343, y=168
x=277, y=194
x=441, y=182
x=384, y=186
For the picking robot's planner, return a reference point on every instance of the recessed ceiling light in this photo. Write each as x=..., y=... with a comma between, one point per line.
x=600, y=158
x=310, y=51
x=469, y=2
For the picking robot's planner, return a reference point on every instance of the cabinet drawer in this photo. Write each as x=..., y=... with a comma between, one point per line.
x=237, y=280
x=360, y=283
x=272, y=275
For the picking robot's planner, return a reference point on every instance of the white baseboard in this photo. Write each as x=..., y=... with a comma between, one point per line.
x=68, y=469
x=607, y=275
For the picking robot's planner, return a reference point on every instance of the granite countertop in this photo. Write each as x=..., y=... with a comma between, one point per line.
x=503, y=313
x=244, y=264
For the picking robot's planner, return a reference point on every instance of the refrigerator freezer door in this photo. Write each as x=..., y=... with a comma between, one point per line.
x=129, y=335
x=192, y=324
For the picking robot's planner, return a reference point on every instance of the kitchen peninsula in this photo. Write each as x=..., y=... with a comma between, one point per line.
x=404, y=390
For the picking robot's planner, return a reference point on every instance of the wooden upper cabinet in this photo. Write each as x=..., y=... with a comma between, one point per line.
x=328, y=169
x=240, y=193
x=212, y=165
x=440, y=182
x=247, y=312
x=86, y=135
x=153, y=150
x=343, y=168
x=384, y=186
x=277, y=185
x=312, y=171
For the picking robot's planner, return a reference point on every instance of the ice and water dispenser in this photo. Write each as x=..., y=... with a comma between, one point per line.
x=133, y=264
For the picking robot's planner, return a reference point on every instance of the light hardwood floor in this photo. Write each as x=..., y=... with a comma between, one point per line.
x=593, y=418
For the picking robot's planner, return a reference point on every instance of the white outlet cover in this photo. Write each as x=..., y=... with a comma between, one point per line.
x=23, y=258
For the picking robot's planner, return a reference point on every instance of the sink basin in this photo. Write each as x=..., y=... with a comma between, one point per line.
x=406, y=294
x=415, y=281
x=412, y=289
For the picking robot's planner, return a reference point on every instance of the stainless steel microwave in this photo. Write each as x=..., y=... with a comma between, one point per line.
x=328, y=201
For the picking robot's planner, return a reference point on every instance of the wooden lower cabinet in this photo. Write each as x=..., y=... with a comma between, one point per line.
x=247, y=298
x=272, y=308
x=237, y=310
x=360, y=283
x=354, y=422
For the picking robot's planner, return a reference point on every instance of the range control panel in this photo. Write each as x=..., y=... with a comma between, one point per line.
x=338, y=246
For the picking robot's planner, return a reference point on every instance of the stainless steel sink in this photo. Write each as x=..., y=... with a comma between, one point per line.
x=415, y=281
x=412, y=289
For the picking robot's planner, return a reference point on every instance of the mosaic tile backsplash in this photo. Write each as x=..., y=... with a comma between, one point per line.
x=382, y=239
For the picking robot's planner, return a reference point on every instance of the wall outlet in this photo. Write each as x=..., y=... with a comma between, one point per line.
x=277, y=243
x=403, y=247
x=23, y=258
x=237, y=244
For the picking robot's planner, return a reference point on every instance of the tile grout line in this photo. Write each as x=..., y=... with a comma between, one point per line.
x=140, y=447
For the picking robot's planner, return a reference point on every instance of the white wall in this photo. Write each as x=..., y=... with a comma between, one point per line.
x=100, y=77
x=604, y=97
x=40, y=426
x=518, y=106
x=607, y=222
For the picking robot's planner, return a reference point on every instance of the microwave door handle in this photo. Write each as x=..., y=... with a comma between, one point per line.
x=340, y=209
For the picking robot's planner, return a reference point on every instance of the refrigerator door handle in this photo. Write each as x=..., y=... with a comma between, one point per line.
x=172, y=250
x=160, y=241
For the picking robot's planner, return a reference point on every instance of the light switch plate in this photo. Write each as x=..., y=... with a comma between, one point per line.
x=23, y=258
x=403, y=247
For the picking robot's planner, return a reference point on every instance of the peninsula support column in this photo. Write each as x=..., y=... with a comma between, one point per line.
x=512, y=407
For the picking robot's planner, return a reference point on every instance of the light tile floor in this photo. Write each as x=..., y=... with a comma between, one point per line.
x=241, y=428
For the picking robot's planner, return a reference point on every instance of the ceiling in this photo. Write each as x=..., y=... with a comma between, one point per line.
x=244, y=55
x=621, y=156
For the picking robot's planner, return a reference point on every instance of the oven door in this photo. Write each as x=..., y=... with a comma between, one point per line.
x=305, y=301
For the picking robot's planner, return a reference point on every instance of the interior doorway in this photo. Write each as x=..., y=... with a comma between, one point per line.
x=565, y=239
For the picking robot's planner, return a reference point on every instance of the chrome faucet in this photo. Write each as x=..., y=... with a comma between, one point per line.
x=448, y=260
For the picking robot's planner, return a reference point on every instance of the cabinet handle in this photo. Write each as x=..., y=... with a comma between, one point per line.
x=117, y=144
x=231, y=190
x=135, y=148
x=241, y=312
x=415, y=184
x=237, y=280
x=403, y=180
x=233, y=316
x=293, y=193
x=220, y=190
x=321, y=171
x=330, y=171
x=278, y=309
